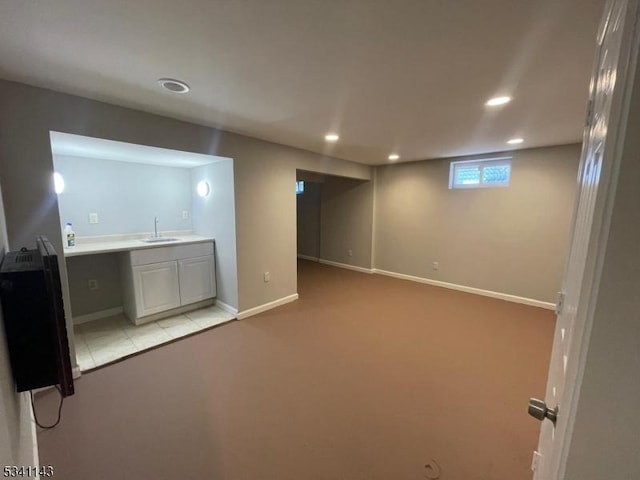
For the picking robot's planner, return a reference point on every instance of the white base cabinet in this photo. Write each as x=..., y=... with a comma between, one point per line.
x=196, y=279
x=156, y=288
x=162, y=279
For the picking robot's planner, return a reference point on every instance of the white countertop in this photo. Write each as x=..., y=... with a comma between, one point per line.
x=122, y=243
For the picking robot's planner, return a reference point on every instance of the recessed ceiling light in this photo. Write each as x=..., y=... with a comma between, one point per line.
x=495, y=101
x=331, y=137
x=394, y=156
x=515, y=141
x=173, y=85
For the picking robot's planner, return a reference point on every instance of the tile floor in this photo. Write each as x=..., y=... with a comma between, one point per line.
x=108, y=339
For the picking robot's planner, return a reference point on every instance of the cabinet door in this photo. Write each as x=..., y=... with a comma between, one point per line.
x=156, y=287
x=197, y=281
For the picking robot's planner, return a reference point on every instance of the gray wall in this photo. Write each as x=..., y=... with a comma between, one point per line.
x=16, y=431
x=126, y=196
x=215, y=216
x=308, y=220
x=103, y=268
x=264, y=174
x=511, y=240
x=346, y=221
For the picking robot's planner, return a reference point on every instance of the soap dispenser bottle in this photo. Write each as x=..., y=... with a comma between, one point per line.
x=69, y=236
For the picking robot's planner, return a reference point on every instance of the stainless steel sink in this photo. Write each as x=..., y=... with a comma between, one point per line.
x=160, y=239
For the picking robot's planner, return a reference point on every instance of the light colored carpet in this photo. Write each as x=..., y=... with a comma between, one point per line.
x=364, y=377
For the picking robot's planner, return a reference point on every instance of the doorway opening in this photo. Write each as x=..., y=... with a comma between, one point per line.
x=334, y=221
x=308, y=215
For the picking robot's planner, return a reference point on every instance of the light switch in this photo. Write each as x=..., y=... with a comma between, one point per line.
x=185, y=214
x=93, y=218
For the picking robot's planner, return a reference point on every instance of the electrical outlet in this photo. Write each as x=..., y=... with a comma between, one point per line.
x=93, y=284
x=436, y=266
x=185, y=214
x=267, y=277
x=350, y=253
x=93, y=218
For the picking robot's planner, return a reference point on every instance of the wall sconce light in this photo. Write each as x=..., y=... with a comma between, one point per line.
x=203, y=188
x=58, y=183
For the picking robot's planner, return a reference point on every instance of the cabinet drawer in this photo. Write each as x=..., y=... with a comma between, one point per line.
x=173, y=252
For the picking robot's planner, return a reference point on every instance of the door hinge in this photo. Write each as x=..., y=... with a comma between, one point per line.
x=560, y=303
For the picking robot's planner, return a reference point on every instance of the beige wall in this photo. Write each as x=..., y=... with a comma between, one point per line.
x=264, y=177
x=310, y=176
x=16, y=430
x=511, y=240
x=346, y=221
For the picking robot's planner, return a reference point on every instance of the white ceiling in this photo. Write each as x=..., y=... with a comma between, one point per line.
x=408, y=76
x=99, y=148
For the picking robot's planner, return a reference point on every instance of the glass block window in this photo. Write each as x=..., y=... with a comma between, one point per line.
x=467, y=175
x=490, y=172
x=299, y=187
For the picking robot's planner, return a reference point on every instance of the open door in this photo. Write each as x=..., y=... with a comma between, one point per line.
x=611, y=82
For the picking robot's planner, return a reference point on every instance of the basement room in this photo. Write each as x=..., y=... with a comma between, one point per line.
x=319, y=240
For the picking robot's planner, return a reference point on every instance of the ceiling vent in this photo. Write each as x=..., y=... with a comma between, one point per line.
x=173, y=85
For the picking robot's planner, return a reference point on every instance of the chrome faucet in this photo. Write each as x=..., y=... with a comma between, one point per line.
x=155, y=225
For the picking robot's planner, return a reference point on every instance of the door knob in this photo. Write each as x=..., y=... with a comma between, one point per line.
x=538, y=409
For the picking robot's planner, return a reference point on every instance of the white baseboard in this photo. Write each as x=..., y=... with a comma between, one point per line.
x=89, y=317
x=308, y=257
x=266, y=306
x=476, y=291
x=226, y=307
x=346, y=265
